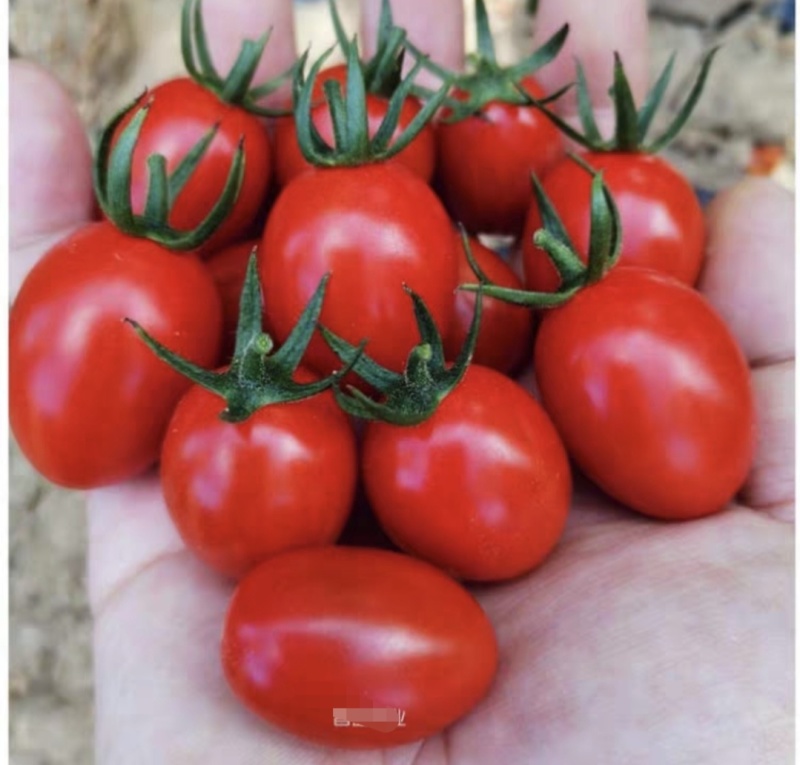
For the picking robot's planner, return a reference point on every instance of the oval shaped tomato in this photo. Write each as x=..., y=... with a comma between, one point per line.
x=239, y=492
x=481, y=488
x=505, y=337
x=662, y=222
x=228, y=268
x=181, y=113
x=650, y=393
x=89, y=402
x=484, y=162
x=374, y=228
x=419, y=156
x=318, y=638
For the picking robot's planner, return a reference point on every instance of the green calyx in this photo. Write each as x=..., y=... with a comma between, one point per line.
x=631, y=124
x=256, y=377
x=605, y=241
x=353, y=143
x=487, y=81
x=383, y=73
x=235, y=87
x=413, y=396
x=113, y=172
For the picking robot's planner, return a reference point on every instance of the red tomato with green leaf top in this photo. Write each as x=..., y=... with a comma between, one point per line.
x=650, y=393
x=484, y=162
x=481, y=488
x=239, y=492
x=419, y=156
x=374, y=228
x=505, y=337
x=318, y=638
x=181, y=113
x=89, y=403
x=662, y=222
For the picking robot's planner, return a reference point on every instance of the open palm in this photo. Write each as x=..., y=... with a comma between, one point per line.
x=637, y=641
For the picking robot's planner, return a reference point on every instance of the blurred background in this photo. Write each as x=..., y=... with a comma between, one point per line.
x=107, y=51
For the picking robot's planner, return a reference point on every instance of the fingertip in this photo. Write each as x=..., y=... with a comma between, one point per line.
x=596, y=32
x=749, y=270
x=50, y=166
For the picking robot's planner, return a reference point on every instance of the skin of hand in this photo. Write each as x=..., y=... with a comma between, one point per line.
x=637, y=641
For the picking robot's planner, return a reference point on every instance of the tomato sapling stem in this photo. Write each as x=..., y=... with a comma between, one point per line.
x=257, y=377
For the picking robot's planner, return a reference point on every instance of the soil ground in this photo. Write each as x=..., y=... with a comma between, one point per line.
x=98, y=48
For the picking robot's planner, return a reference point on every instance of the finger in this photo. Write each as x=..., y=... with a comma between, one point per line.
x=49, y=167
x=749, y=278
x=436, y=28
x=229, y=23
x=596, y=30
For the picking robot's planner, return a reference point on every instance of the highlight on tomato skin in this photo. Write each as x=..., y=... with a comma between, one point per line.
x=318, y=639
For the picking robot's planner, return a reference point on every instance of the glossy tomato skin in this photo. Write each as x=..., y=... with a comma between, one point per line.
x=240, y=492
x=505, y=337
x=89, y=402
x=484, y=163
x=322, y=629
x=662, y=221
x=481, y=488
x=228, y=268
x=374, y=228
x=419, y=156
x=650, y=393
x=182, y=112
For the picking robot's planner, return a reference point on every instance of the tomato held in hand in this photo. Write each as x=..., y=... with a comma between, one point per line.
x=320, y=638
x=650, y=393
x=485, y=162
x=481, y=488
x=662, y=222
x=88, y=402
x=374, y=228
x=239, y=492
x=180, y=114
x=506, y=332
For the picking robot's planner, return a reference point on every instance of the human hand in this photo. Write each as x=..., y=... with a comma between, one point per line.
x=636, y=641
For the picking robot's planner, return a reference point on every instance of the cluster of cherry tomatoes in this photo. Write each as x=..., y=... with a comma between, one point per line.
x=272, y=312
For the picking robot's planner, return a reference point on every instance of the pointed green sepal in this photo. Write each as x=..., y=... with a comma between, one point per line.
x=257, y=377
x=113, y=174
x=631, y=124
x=413, y=396
x=605, y=242
x=236, y=86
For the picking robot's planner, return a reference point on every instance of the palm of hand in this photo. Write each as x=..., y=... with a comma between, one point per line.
x=635, y=637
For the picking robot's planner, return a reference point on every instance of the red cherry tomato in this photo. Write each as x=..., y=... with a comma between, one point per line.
x=181, y=113
x=228, y=268
x=89, y=401
x=320, y=637
x=240, y=492
x=480, y=489
x=650, y=393
x=662, y=222
x=505, y=337
x=484, y=163
x=418, y=156
x=374, y=228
